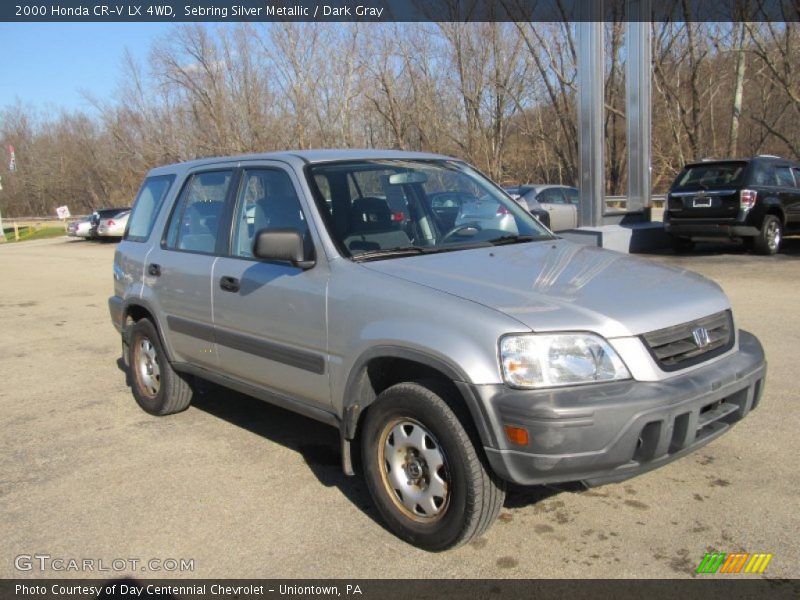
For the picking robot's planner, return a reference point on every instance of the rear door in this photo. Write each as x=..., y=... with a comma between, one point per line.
x=708, y=190
x=269, y=317
x=179, y=268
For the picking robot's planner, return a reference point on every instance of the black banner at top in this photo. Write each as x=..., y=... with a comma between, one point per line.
x=385, y=11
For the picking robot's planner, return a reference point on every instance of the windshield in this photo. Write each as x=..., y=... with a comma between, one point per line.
x=710, y=175
x=384, y=208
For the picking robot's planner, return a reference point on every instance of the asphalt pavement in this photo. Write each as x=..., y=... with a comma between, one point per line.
x=234, y=487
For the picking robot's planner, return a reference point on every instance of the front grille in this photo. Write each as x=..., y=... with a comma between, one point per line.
x=676, y=347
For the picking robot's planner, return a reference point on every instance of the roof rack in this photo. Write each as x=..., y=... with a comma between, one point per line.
x=767, y=156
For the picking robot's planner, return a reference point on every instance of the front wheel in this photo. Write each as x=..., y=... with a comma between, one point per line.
x=425, y=475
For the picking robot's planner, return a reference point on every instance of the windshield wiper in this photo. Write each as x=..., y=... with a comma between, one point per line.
x=398, y=251
x=514, y=239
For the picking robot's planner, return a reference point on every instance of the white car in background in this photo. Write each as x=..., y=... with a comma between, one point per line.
x=113, y=227
x=560, y=201
x=81, y=228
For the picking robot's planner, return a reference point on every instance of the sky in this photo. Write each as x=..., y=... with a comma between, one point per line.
x=48, y=65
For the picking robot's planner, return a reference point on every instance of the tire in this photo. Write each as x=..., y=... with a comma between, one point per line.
x=681, y=245
x=157, y=387
x=768, y=240
x=437, y=454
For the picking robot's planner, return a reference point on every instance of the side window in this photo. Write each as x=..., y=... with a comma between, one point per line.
x=796, y=172
x=573, y=197
x=761, y=176
x=551, y=196
x=146, y=207
x=784, y=176
x=195, y=219
x=267, y=200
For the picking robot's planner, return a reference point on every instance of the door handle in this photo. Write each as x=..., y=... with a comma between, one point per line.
x=229, y=284
x=154, y=269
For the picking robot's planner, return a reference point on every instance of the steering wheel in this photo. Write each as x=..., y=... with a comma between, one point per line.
x=454, y=231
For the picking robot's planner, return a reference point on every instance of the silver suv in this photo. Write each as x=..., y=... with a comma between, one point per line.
x=459, y=356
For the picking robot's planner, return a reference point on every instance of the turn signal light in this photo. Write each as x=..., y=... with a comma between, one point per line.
x=517, y=435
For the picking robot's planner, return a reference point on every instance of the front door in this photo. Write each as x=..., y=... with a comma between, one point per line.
x=563, y=215
x=269, y=317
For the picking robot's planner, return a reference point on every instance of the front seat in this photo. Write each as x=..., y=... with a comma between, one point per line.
x=372, y=228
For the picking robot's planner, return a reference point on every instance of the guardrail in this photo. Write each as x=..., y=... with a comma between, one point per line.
x=617, y=203
x=24, y=227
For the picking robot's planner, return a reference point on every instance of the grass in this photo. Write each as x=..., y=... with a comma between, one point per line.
x=32, y=233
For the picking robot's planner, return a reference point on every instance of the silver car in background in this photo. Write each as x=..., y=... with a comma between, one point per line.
x=485, y=213
x=81, y=228
x=113, y=227
x=561, y=202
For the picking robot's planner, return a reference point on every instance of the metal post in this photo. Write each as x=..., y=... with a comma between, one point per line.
x=591, y=104
x=637, y=102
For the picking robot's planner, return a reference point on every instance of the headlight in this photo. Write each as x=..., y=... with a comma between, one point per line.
x=550, y=360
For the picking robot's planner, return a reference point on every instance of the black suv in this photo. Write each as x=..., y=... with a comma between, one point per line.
x=751, y=199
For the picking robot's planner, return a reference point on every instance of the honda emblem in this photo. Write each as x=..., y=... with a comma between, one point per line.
x=701, y=337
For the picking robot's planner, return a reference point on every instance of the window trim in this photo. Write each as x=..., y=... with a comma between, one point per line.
x=224, y=215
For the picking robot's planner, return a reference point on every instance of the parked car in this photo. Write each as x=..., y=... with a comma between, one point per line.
x=561, y=202
x=484, y=212
x=102, y=214
x=531, y=204
x=458, y=358
x=113, y=227
x=80, y=228
x=754, y=200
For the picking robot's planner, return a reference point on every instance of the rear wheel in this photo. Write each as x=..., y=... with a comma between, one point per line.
x=768, y=240
x=682, y=245
x=425, y=475
x=157, y=387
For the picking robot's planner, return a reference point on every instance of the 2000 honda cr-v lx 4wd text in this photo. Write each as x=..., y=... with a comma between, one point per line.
x=458, y=354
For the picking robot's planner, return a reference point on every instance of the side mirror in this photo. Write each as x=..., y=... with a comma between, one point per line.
x=285, y=245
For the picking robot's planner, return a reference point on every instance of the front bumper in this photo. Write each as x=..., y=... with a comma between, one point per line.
x=609, y=432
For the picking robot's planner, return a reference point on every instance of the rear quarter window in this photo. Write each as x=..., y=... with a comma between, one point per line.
x=145, y=209
x=784, y=177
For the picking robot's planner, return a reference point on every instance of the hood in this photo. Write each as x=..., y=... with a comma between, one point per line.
x=561, y=286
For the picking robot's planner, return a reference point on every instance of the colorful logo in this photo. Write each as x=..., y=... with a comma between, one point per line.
x=731, y=563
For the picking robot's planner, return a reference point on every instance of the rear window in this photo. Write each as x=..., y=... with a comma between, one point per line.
x=711, y=175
